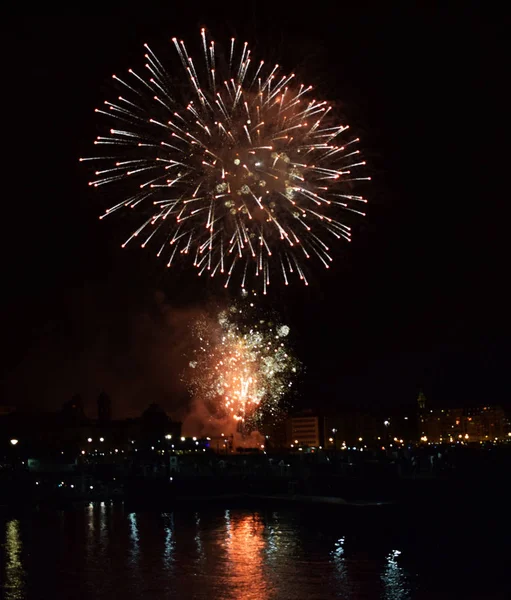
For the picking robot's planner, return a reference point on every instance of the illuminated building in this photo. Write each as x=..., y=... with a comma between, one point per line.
x=442, y=425
x=304, y=430
x=448, y=425
x=376, y=428
x=485, y=423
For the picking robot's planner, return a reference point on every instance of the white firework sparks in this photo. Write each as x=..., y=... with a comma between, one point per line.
x=243, y=171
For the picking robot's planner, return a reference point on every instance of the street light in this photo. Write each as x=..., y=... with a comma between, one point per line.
x=101, y=439
x=14, y=442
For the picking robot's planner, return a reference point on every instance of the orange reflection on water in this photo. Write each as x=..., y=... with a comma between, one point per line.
x=245, y=552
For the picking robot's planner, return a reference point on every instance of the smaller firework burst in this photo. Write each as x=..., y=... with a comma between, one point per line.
x=242, y=368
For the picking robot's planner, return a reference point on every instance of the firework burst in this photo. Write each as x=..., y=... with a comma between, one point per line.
x=242, y=367
x=235, y=166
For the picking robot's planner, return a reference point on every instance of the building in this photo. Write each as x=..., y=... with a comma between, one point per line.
x=69, y=431
x=372, y=429
x=442, y=425
x=73, y=410
x=507, y=425
x=351, y=427
x=275, y=434
x=104, y=408
x=447, y=425
x=487, y=423
x=304, y=430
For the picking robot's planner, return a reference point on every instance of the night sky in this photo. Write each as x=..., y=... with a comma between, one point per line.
x=419, y=300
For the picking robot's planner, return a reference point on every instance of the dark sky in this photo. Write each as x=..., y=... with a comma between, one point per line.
x=419, y=300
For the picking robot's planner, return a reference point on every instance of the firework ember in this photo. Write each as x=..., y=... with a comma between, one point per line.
x=242, y=366
x=235, y=165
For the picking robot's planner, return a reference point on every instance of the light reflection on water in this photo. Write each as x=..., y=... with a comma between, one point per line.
x=394, y=579
x=103, y=529
x=168, y=553
x=134, y=548
x=101, y=551
x=14, y=572
x=198, y=540
x=245, y=558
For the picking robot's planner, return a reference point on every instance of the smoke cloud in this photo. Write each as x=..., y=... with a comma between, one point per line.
x=101, y=339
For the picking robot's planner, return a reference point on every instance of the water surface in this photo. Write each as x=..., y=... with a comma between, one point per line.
x=103, y=550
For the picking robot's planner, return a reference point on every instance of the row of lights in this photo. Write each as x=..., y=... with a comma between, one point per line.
x=424, y=438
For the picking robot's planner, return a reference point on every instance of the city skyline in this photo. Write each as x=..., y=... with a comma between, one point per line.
x=383, y=428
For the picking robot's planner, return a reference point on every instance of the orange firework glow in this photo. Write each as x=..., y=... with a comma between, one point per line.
x=242, y=367
x=238, y=373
